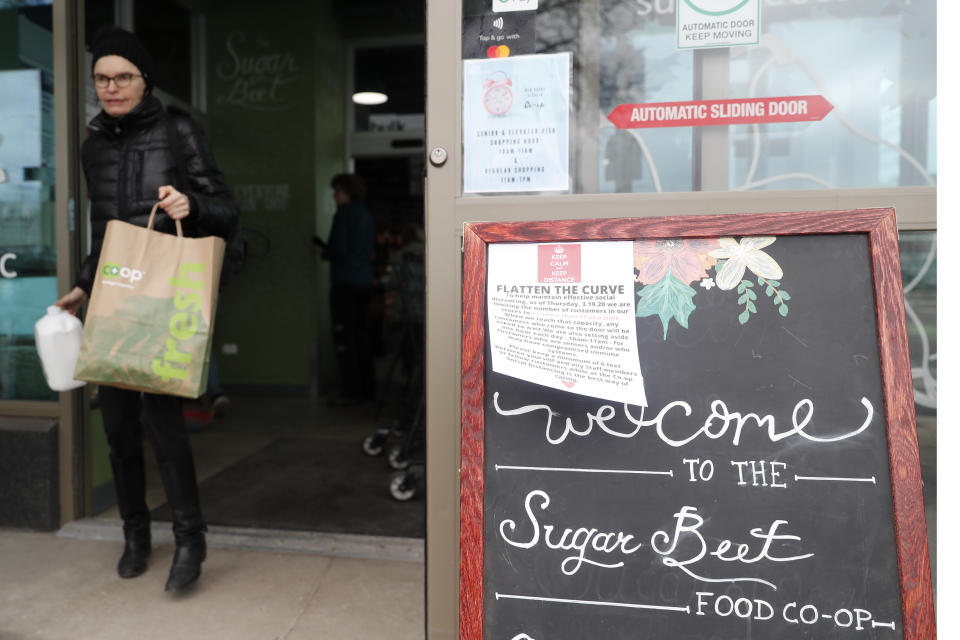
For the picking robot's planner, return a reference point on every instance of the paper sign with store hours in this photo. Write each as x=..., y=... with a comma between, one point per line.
x=562, y=315
x=516, y=123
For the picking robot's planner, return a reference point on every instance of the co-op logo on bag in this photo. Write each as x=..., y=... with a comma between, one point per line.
x=114, y=275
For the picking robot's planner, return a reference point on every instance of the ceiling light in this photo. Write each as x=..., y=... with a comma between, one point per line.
x=369, y=97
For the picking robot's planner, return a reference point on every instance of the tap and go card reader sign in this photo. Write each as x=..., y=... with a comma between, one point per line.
x=514, y=5
x=703, y=24
x=493, y=35
x=704, y=113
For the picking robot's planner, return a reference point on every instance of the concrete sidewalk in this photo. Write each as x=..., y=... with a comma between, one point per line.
x=55, y=587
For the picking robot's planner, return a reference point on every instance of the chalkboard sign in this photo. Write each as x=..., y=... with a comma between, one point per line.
x=690, y=428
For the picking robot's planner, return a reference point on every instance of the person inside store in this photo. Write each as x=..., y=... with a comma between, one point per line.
x=349, y=249
x=131, y=161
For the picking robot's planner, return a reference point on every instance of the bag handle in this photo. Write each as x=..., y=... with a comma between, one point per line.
x=153, y=213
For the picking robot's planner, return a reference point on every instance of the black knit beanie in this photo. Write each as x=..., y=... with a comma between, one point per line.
x=114, y=41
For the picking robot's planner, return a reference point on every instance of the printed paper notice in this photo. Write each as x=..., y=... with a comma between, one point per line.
x=516, y=119
x=562, y=315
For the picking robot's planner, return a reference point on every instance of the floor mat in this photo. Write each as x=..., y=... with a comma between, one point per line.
x=309, y=485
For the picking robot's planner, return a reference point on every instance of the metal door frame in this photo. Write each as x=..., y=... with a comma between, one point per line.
x=67, y=83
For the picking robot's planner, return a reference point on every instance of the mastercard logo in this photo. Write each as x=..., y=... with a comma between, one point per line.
x=498, y=51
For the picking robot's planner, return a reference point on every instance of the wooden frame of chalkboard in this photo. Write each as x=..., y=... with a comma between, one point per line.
x=879, y=227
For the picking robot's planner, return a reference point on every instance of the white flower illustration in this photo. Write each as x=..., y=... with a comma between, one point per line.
x=742, y=255
x=707, y=283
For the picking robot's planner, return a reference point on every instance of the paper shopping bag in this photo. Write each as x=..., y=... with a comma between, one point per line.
x=149, y=324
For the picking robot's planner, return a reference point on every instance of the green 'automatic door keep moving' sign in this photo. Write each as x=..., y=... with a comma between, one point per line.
x=703, y=24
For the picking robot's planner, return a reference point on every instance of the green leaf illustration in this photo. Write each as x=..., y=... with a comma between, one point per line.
x=668, y=298
x=747, y=296
x=780, y=297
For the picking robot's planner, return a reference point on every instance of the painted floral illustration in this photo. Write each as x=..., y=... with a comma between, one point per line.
x=668, y=268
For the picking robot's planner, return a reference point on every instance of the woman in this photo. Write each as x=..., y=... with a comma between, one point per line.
x=130, y=163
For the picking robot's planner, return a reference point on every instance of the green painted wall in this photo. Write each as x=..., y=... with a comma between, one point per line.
x=330, y=158
x=275, y=114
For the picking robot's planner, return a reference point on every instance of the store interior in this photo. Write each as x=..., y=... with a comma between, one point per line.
x=275, y=101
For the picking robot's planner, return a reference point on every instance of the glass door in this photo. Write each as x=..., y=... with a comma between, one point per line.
x=566, y=109
x=28, y=264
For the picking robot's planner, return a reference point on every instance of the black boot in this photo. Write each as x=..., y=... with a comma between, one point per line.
x=136, y=550
x=186, y=563
x=130, y=484
x=180, y=482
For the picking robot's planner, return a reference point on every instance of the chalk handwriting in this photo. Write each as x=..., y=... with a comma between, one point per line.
x=689, y=522
x=588, y=542
x=579, y=540
x=719, y=423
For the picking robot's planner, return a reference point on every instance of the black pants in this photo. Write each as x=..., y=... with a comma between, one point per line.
x=162, y=417
x=350, y=312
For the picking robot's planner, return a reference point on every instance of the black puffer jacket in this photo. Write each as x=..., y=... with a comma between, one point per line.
x=127, y=159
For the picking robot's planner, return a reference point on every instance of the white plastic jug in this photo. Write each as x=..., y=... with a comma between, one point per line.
x=58, y=343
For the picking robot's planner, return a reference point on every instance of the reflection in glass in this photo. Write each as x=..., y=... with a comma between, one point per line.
x=27, y=244
x=874, y=62
x=872, y=67
x=918, y=261
x=641, y=64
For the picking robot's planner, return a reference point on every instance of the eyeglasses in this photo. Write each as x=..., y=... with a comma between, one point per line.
x=121, y=79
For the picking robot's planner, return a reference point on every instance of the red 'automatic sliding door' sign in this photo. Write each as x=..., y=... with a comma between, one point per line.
x=703, y=113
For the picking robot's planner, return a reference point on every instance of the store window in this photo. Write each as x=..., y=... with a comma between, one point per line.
x=640, y=64
x=918, y=260
x=856, y=78
x=875, y=63
x=615, y=100
x=28, y=282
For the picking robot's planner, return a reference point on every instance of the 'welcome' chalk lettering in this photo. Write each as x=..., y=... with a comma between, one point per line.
x=717, y=424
